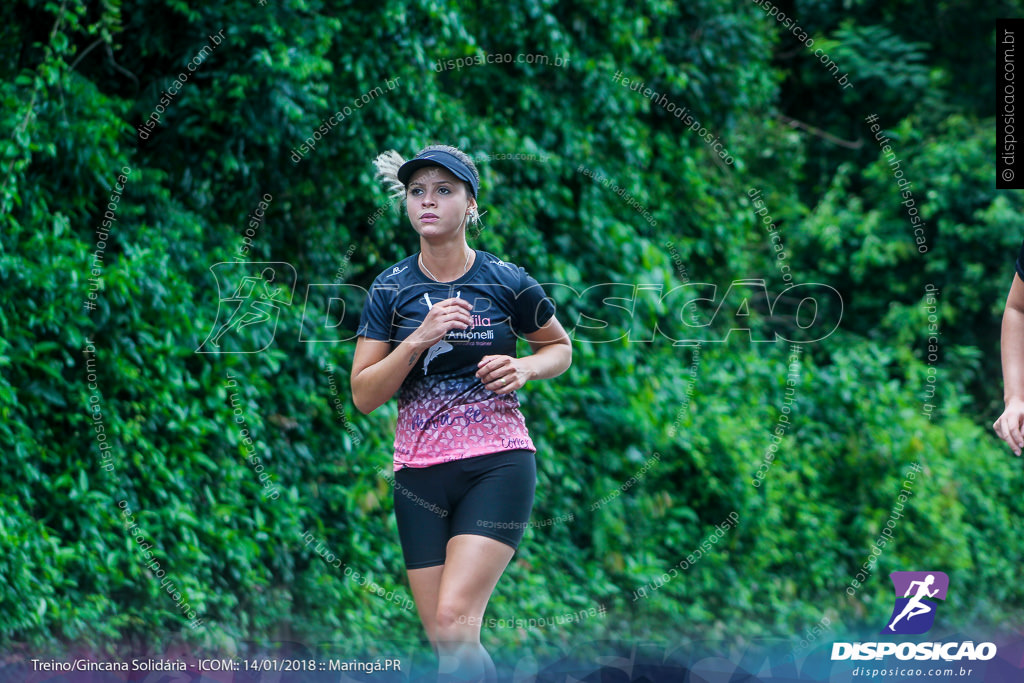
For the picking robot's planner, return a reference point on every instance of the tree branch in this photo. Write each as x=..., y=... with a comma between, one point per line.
x=818, y=132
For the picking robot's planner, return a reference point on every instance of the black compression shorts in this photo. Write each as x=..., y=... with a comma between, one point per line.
x=487, y=495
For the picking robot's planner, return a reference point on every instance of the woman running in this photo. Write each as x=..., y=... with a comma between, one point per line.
x=440, y=329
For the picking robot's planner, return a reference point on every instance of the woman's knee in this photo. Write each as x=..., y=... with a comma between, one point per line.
x=453, y=623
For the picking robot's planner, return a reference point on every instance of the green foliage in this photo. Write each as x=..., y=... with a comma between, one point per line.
x=83, y=79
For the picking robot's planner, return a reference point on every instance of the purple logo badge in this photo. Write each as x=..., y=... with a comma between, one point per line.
x=914, y=612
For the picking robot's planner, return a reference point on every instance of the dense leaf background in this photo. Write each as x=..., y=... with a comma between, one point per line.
x=79, y=78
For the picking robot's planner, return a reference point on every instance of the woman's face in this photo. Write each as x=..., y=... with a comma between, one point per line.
x=437, y=202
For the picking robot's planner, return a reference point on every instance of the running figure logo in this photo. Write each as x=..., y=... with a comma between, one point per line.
x=255, y=300
x=441, y=346
x=913, y=612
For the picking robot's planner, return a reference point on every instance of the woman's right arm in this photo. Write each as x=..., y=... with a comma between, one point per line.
x=378, y=372
x=1008, y=426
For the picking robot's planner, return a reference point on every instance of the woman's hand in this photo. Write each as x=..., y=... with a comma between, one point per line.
x=443, y=317
x=503, y=374
x=1008, y=426
x=552, y=354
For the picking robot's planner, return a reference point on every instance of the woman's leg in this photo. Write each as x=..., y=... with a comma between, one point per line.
x=422, y=514
x=425, y=585
x=490, y=495
x=471, y=571
x=487, y=525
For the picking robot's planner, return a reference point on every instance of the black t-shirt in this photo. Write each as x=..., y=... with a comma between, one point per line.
x=444, y=411
x=1020, y=261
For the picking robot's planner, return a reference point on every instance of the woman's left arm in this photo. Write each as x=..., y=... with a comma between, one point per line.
x=552, y=355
